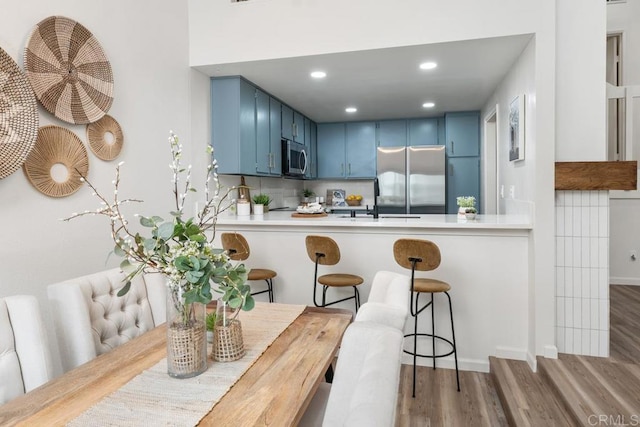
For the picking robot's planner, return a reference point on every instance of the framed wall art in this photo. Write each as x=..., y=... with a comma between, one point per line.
x=516, y=129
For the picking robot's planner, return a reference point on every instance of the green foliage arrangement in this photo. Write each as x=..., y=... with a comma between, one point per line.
x=307, y=193
x=210, y=320
x=466, y=201
x=178, y=248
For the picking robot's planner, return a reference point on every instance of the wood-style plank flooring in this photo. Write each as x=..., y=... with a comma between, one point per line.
x=624, y=318
x=438, y=403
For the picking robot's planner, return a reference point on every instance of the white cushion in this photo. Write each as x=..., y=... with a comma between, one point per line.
x=388, y=302
x=365, y=385
x=90, y=319
x=25, y=361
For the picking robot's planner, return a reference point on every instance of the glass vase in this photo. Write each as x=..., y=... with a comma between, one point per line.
x=186, y=336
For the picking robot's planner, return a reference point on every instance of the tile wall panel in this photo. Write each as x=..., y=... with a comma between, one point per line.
x=582, y=272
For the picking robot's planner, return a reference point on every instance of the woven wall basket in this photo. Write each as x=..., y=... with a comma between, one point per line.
x=56, y=145
x=97, y=135
x=18, y=116
x=69, y=71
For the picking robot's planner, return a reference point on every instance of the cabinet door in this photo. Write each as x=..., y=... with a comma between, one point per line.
x=287, y=122
x=298, y=127
x=275, y=126
x=313, y=150
x=263, y=133
x=361, y=150
x=247, y=128
x=463, y=179
x=225, y=115
x=423, y=132
x=463, y=134
x=392, y=133
x=331, y=150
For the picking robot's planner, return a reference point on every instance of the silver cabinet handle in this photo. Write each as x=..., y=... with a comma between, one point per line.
x=349, y=169
x=453, y=148
x=341, y=168
x=450, y=170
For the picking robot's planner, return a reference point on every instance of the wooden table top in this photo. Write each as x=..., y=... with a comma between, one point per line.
x=276, y=390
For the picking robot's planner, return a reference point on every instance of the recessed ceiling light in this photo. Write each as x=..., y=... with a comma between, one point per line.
x=318, y=74
x=429, y=105
x=351, y=109
x=428, y=65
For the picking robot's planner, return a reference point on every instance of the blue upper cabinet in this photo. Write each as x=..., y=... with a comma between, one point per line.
x=263, y=133
x=233, y=125
x=298, y=127
x=331, y=150
x=347, y=150
x=392, y=133
x=361, y=150
x=275, y=129
x=462, y=131
x=287, y=122
x=423, y=132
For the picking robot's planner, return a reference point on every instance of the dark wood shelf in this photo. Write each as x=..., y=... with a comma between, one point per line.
x=596, y=175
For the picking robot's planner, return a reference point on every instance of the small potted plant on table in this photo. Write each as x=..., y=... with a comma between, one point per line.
x=466, y=204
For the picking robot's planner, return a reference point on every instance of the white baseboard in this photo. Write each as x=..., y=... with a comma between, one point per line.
x=633, y=281
x=550, y=351
x=532, y=362
x=511, y=353
x=448, y=363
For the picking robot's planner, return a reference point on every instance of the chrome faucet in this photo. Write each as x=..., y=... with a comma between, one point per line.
x=376, y=193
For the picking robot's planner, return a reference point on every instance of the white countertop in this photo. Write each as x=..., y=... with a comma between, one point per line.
x=284, y=218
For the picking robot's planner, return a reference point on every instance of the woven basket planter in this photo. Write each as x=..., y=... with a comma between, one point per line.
x=227, y=342
x=185, y=347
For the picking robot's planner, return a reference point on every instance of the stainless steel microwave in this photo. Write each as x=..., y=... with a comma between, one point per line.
x=294, y=158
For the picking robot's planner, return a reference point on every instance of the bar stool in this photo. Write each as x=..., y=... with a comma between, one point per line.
x=238, y=249
x=325, y=251
x=424, y=255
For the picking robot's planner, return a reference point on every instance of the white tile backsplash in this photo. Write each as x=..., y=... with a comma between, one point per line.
x=582, y=272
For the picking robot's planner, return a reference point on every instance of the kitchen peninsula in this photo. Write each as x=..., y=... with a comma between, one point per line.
x=486, y=261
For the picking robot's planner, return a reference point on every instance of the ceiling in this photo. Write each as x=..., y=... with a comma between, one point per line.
x=385, y=83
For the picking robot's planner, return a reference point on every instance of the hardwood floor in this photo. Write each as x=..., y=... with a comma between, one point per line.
x=438, y=403
x=625, y=323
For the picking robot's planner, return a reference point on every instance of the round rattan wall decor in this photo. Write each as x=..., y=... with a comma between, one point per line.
x=18, y=116
x=105, y=138
x=68, y=70
x=57, y=149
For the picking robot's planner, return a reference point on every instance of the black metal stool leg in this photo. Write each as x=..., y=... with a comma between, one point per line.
x=433, y=332
x=453, y=335
x=415, y=345
x=324, y=296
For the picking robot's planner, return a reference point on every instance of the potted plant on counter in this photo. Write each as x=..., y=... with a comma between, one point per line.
x=261, y=204
x=464, y=203
x=307, y=194
x=470, y=213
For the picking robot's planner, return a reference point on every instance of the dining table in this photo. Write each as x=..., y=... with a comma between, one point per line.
x=275, y=390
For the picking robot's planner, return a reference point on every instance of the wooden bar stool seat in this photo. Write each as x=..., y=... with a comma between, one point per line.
x=238, y=249
x=424, y=255
x=324, y=250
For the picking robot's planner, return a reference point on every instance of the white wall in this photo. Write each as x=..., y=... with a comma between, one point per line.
x=147, y=44
x=625, y=225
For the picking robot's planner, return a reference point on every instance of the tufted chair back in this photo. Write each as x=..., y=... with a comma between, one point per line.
x=25, y=361
x=91, y=319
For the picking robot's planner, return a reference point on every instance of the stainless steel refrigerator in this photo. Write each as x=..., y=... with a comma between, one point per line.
x=412, y=179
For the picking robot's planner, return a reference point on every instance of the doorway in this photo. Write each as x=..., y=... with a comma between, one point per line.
x=491, y=203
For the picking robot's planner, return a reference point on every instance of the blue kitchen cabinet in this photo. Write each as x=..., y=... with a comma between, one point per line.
x=462, y=131
x=361, y=150
x=463, y=179
x=392, y=133
x=298, y=127
x=423, y=132
x=287, y=122
x=275, y=129
x=331, y=150
x=233, y=125
x=263, y=133
x=312, y=149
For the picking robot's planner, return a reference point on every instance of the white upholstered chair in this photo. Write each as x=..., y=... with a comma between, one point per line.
x=90, y=319
x=364, y=391
x=25, y=361
x=388, y=301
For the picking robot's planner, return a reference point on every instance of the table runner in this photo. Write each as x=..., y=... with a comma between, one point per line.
x=154, y=398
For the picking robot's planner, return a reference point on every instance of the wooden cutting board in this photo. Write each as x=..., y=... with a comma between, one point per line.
x=304, y=215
